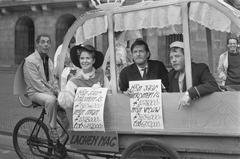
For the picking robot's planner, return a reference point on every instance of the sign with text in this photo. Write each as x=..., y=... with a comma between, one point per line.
x=146, y=104
x=88, y=109
x=96, y=141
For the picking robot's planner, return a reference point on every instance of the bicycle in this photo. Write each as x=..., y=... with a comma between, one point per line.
x=34, y=133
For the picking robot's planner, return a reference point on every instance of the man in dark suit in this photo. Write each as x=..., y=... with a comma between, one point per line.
x=202, y=80
x=142, y=68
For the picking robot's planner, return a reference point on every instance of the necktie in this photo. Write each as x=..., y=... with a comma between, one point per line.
x=144, y=73
x=45, y=65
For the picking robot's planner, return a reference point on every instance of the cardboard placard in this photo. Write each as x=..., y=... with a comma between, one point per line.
x=88, y=109
x=146, y=104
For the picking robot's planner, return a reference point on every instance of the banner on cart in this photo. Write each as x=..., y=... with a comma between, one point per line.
x=146, y=104
x=94, y=141
x=88, y=109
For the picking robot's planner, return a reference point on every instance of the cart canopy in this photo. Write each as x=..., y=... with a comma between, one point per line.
x=162, y=18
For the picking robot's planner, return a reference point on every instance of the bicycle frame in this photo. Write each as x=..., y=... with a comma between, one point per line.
x=34, y=140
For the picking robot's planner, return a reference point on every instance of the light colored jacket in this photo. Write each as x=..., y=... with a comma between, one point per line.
x=35, y=77
x=222, y=67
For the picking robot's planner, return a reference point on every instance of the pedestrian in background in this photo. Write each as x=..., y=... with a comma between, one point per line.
x=69, y=68
x=229, y=63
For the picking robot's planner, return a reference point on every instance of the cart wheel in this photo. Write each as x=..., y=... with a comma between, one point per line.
x=31, y=146
x=149, y=149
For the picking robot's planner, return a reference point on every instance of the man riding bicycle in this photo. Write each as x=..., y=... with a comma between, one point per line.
x=42, y=87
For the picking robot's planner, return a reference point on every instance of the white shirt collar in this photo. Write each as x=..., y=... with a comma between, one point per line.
x=141, y=69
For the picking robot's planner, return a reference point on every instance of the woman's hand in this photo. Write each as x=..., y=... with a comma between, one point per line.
x=65, y=99
x=129, y=93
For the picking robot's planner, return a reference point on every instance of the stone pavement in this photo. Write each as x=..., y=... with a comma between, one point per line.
x=10, y=109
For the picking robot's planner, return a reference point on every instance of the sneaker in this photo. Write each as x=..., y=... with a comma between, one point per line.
x=53, y=134
x=63, y=138
x=60, y=151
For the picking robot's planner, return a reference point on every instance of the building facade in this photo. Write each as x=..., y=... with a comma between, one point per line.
x=22, y=20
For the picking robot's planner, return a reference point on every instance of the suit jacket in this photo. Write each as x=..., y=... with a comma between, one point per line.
x=35, y=77
x=156, y=70
x=202, y=80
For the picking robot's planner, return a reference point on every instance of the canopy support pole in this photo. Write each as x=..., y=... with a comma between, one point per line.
x=111, y=47
x=209, y=49
x=187, y=54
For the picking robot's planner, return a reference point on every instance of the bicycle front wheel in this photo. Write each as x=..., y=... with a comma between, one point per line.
x=31, y=139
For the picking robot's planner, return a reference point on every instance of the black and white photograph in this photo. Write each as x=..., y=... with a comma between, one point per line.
x=119, y=79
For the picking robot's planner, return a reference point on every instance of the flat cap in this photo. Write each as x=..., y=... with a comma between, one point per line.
x=177, y=44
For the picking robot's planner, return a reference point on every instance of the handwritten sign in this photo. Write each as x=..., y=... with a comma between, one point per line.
x=88, y=109
x=146, y=104
x=97, y=141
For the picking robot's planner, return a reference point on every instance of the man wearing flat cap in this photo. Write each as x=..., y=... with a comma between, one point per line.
x=203, y=82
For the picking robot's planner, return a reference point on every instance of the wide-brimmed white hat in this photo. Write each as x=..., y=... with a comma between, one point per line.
x=177, y=44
